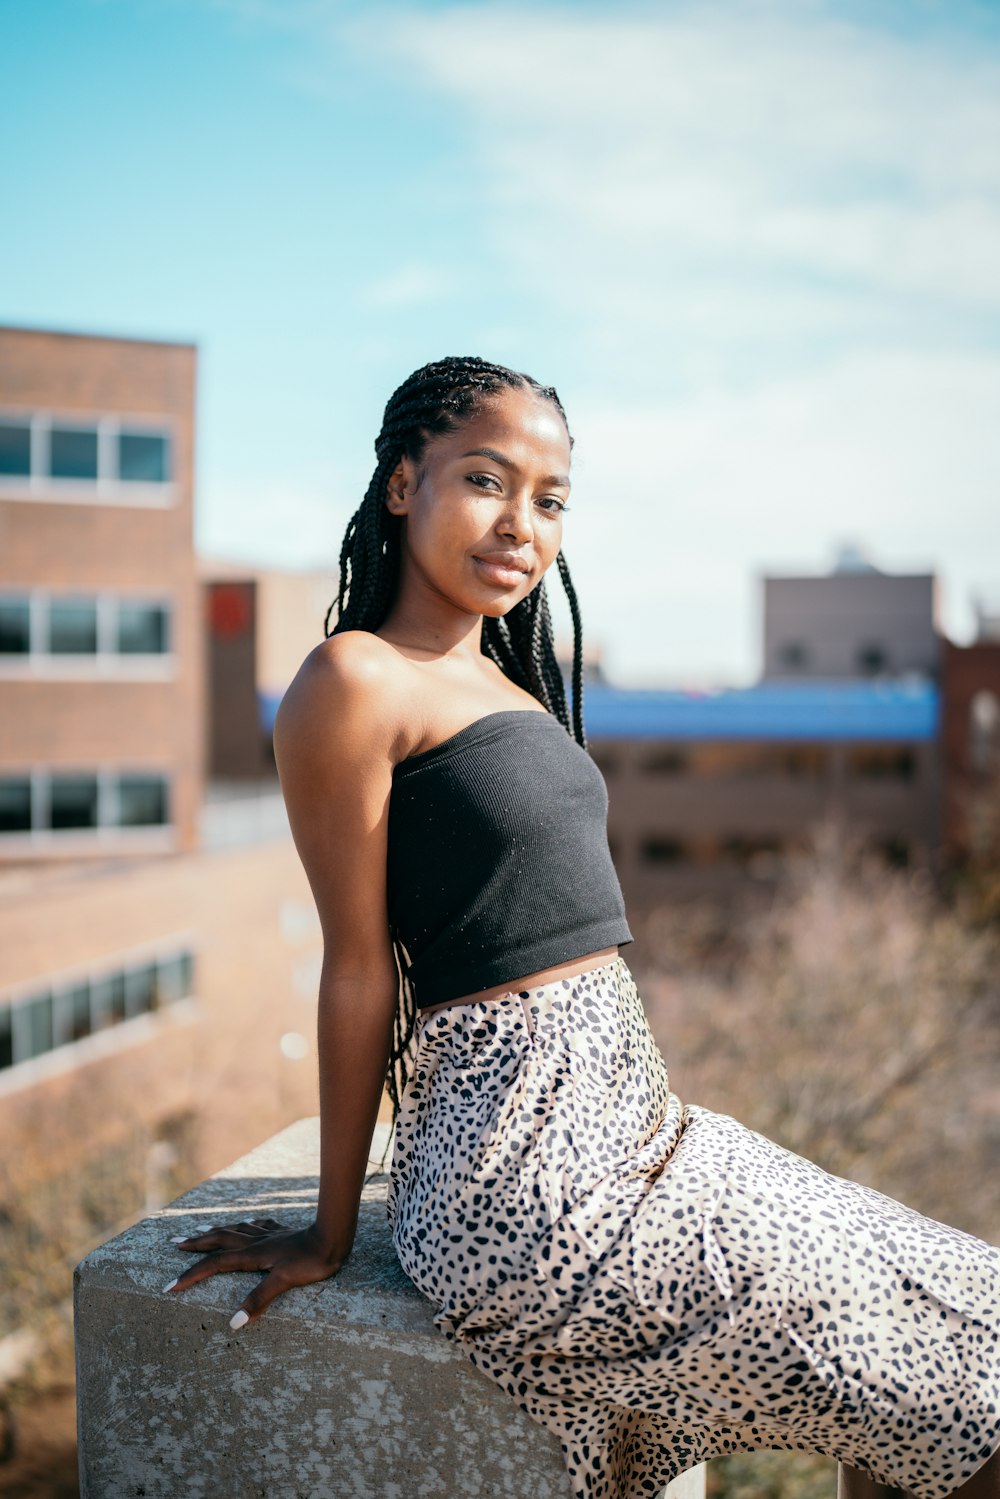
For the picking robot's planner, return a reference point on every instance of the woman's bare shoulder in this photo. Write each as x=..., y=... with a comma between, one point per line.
x=352, y=681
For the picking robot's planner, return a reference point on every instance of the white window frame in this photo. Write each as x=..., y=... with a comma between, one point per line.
x=68, y=1054
x=43, y=839
x=108, y=488
x=107, y=663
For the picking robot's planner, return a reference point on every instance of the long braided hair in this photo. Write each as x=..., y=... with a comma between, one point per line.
x=438, y=398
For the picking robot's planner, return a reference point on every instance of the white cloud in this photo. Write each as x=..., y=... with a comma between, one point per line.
x=775, y=136
x=772, y=237
x=676, y=509
x=784, y=229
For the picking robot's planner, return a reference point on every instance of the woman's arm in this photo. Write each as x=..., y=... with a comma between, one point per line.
x=336, y=740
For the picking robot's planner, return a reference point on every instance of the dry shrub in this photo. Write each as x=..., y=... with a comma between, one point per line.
x=856, y=1020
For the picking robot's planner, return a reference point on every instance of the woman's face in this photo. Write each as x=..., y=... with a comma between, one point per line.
x=483, y=507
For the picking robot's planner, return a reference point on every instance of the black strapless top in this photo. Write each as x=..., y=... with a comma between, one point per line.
x=498, y=862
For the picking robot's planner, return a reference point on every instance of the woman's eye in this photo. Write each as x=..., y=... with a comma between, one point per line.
x=483, y=481
x=553, y=504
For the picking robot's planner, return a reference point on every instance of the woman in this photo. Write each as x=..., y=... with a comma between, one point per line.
x=655, y=1283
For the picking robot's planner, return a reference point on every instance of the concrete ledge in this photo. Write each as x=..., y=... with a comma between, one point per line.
x=342, y=1389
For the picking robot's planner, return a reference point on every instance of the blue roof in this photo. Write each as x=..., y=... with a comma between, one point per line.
x=898, y=709
x=267, y=709
x=788, y=710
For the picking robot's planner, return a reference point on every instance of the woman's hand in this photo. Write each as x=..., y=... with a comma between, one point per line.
x=292, y=1257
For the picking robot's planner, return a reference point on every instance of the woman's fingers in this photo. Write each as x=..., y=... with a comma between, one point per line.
x=246, y=1258
x=260, y=1298
x=303, y=1269
x=290, y=1258
x=228, y=1235
x=216, y=1238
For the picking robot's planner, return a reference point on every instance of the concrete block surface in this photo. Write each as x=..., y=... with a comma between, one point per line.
x=343, y=1390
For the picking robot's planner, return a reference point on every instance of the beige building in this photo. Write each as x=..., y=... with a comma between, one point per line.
x=707, y=791
x=854, y=622
x=259, y=627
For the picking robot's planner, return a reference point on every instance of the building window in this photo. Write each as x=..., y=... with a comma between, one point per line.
x=61, y=1014
x=15, y=804
x=141, y=989
x=882, y=762
x=15, y=448
x=73, y=801
x=107, y=1001
x=15, y=626
x=750, y=851
x=36, y=1026
x=175, y=977
x=43, y=626
x=73, y=1010
x=663, y=851
x=141, y=629
x=871, y=659
x=895, y=852
x=803, y=762
x=45, y=801
x=73, y=453
x=115, y=457
x=143, y=458
x=142, y=801
x=793, y=655
x=741, y=760
x=666, y=762
x=72, y=627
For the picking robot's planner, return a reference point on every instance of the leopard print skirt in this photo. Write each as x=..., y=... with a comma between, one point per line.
x=658, y=1284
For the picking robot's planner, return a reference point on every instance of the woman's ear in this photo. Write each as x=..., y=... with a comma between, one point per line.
x=399, y=487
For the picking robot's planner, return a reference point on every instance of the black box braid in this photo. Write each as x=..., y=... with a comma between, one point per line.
x=438, y=398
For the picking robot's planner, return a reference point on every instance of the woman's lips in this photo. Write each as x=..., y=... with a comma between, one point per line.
x=506, y=573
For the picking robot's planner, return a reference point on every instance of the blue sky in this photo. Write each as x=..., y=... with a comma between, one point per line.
x=755, y=244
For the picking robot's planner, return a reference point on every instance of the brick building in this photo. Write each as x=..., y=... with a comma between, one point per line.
x=971, y=746
x=101, y=678
x=158, y=966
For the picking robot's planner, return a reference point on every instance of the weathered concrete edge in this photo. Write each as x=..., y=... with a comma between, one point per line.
x=360, y=1307
x=279, y=1177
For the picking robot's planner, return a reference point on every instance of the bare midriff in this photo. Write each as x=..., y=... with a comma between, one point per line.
x=570, y=969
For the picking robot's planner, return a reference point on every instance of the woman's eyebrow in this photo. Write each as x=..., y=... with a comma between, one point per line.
x=557, y=480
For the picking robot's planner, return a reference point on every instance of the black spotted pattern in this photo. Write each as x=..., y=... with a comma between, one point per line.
x=658, y=1284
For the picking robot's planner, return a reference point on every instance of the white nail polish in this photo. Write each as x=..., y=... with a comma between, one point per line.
x=180, y=1239
x=240, y=1320
x=171, y=1283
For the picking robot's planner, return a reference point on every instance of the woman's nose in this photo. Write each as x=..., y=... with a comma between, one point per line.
x=517, y=520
